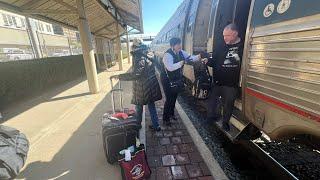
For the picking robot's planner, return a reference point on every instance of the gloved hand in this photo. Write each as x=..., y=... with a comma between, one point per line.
x=204, y=55
x=204, y=60
x=150, y=55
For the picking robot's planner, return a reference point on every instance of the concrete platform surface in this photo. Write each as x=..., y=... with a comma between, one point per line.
x=64, y=129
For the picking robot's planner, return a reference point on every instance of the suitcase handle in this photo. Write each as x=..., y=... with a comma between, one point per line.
x=113, y=89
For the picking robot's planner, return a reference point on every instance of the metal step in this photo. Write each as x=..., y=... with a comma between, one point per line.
x=237, y=123
x=234, y=131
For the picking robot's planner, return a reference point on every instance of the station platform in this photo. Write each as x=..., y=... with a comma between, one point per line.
x=64, y=129
x=178, y=151
x=172, y=154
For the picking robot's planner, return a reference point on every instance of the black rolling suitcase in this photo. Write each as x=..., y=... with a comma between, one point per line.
x=117, y=134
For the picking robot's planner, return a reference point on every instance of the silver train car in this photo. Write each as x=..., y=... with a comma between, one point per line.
x=280, y=75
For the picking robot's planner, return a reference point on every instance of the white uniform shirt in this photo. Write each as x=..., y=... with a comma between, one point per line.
x=168, y=60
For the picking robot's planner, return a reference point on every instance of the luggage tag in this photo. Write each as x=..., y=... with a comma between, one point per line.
x=127, y=153
x=131, y=150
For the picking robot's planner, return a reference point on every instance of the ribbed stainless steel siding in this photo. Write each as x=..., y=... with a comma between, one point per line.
x=286, y=66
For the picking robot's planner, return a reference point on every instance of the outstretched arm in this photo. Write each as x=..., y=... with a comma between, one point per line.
x=190, y=57
x=137, y=71
x=168, y=62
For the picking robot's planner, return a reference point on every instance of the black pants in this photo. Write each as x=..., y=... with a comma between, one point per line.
x=171, y=97
x=221, y=96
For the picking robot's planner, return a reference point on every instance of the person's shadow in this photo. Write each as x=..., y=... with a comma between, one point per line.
x=34, y=170
x=82, y=155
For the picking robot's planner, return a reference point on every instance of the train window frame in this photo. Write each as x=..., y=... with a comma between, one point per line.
x=191, y=22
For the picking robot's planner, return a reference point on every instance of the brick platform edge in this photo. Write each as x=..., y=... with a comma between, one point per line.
x=172, y=153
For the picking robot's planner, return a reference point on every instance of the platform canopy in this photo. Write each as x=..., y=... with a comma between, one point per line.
x=102, y=15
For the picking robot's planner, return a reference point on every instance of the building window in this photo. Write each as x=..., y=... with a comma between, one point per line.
x=41, y=27
x=10, y=20
x=48, y=27
x=14, y=21
x=37, y=26
x=23, y=23
x=5, y=20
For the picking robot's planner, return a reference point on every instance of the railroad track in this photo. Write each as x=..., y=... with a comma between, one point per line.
x=285, y=160
x=288, y=160
x=272, y=164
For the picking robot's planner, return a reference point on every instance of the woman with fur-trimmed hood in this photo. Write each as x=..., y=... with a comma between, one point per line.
x=146, y=89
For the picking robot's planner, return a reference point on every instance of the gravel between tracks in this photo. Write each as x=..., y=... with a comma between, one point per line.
x=234, y=160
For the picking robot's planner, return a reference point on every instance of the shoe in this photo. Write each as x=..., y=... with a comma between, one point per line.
x=167, y=123
x=225, y=126
x=155, y=129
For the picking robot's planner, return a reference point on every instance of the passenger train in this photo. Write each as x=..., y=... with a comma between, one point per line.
x=280, y=76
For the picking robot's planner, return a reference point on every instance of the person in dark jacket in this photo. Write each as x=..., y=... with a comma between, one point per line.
x=226, y=63
x=172, y=64
x=146, y=89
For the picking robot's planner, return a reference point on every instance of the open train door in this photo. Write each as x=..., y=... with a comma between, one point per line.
x=236, y=11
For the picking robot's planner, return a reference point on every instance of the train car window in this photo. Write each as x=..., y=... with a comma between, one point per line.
x=212, y=17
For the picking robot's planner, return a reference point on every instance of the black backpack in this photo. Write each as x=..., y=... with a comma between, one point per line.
x=203, y=80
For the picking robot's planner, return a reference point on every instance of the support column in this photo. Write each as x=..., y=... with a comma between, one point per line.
x=128, y=45
x=104, y=53
x=69, y=42
x=87, y=49
x=98, y=51
x=119, y=51
x=34, y=39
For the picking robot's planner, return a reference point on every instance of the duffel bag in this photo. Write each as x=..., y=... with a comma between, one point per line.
x=137, y=168
x=14, y=147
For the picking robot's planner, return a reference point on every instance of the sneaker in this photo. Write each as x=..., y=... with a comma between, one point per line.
x=225, y=126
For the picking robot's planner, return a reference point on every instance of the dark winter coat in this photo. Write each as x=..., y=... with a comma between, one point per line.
x=146, y=88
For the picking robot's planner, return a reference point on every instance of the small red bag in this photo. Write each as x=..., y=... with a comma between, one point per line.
x=137, y=168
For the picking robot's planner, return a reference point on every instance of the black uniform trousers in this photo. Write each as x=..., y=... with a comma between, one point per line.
x=171, y=97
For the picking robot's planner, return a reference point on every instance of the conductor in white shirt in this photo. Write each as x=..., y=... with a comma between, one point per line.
x=172, y=64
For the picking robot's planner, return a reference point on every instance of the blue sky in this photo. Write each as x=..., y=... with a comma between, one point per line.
x=156, y=13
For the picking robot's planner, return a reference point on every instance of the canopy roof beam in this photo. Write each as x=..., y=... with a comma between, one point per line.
x=33, y=4
x=48, y=11
x=61, y=2
x=105, y=27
